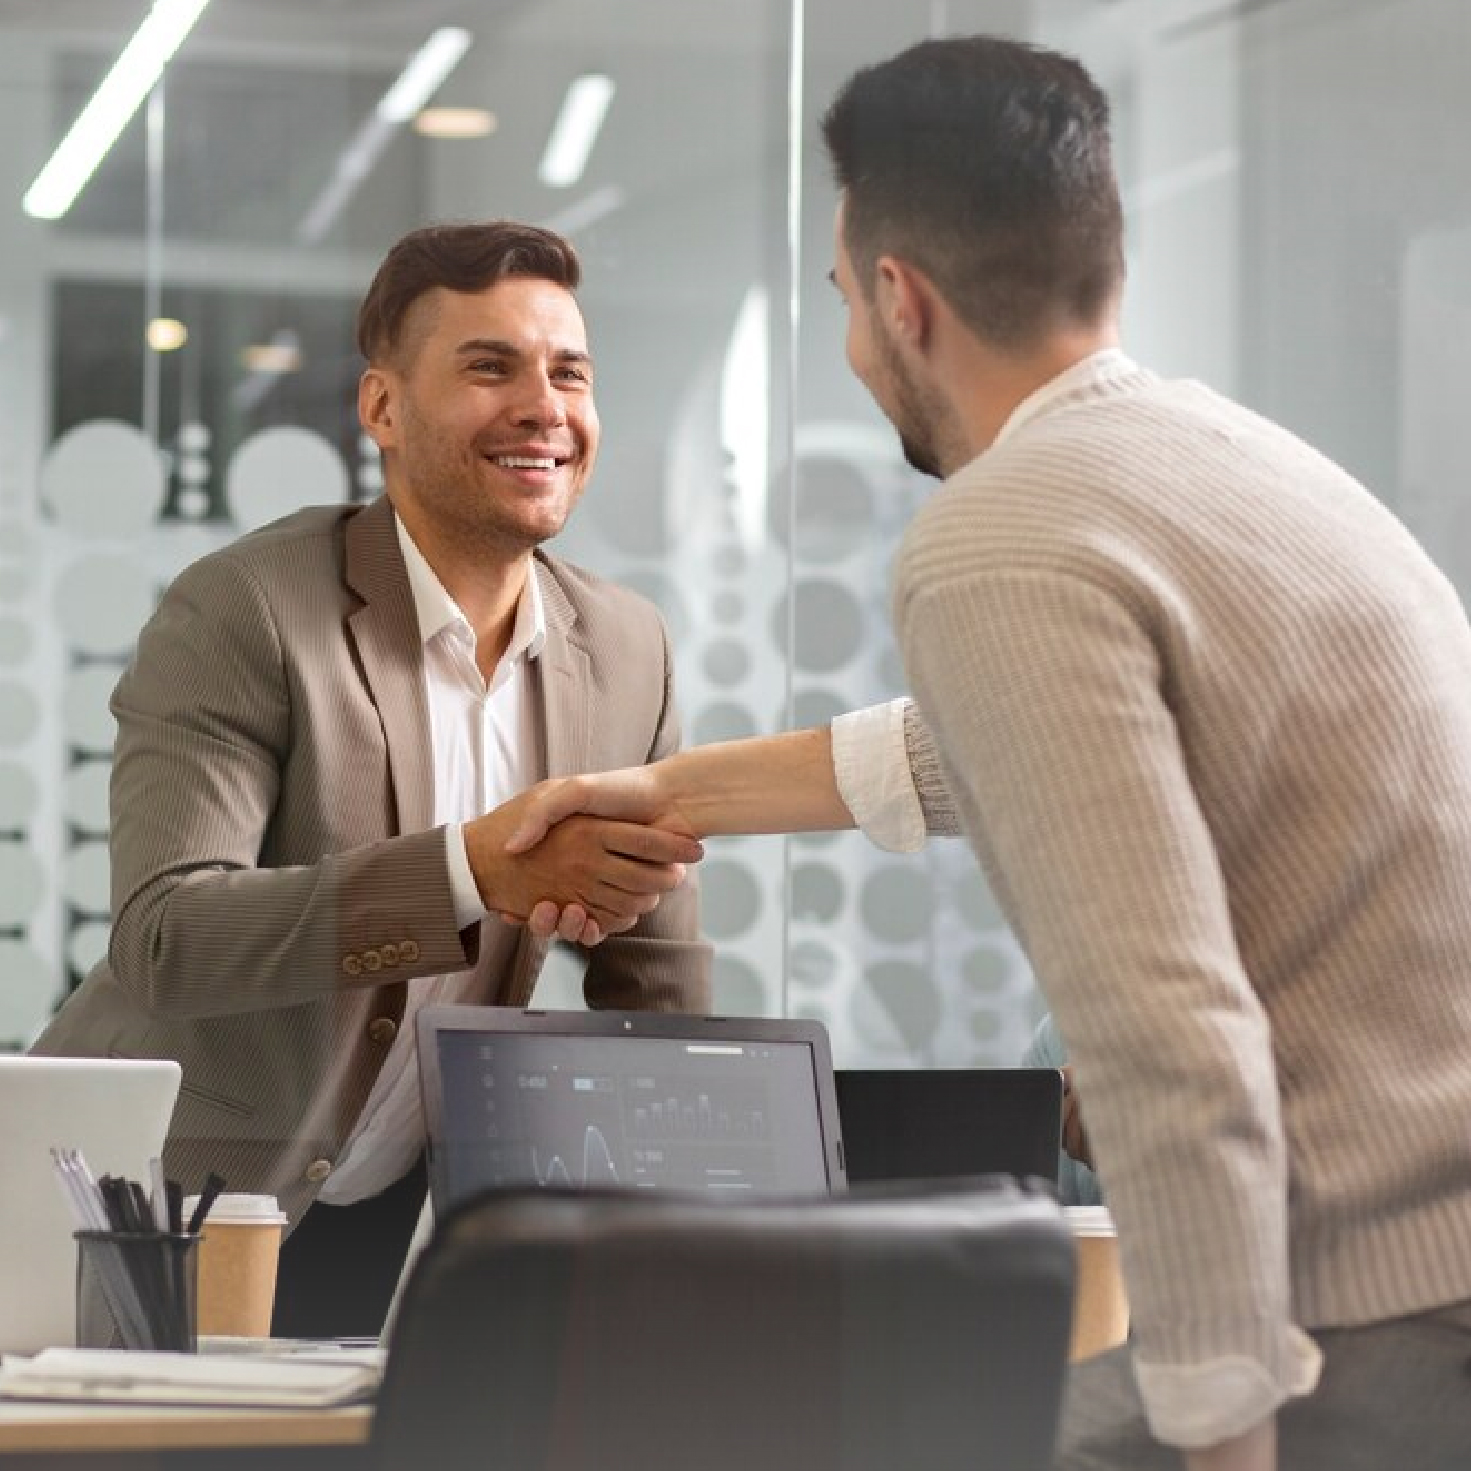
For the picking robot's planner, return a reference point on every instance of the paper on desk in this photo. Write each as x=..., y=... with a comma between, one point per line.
x=125, y=1376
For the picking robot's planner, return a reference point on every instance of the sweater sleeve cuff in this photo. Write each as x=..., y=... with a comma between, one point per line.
x=871, y=764
x=1198, y=1405
x=468, y=908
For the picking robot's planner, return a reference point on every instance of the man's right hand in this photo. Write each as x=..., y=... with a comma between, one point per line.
x=612, y=872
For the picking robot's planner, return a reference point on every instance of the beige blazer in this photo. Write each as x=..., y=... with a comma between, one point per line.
x=275, y=879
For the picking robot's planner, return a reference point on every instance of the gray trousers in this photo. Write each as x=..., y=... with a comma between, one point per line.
x=1393, y=1396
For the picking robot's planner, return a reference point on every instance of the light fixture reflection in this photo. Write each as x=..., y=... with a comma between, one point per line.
x=455, y=122
x=576, y=130
x=166, y=334
x=107, y=112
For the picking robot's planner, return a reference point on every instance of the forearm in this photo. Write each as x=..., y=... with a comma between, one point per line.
x=225, y=940
x=1255, y=1450
x=772, y=784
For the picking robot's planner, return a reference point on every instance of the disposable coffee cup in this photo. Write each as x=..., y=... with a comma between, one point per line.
x=1100, y=1306
x=238, y=1250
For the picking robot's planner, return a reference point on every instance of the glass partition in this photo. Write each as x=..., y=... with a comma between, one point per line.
x=177, y=366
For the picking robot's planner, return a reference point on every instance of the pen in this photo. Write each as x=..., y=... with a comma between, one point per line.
x=213, y=1184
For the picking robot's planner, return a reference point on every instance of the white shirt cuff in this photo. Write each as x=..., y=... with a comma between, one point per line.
x=466, y=895
x=871, y=764
x=1198, y=1405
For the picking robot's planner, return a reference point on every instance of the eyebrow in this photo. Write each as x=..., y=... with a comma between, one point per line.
x=503, y=348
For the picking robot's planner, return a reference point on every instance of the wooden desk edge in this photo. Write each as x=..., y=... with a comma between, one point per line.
x=138, y=1427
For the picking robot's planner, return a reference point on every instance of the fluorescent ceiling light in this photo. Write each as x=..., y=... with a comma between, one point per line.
x=415, y=85
x=421, y=78
x=107, y=113
x=455, y=122
x=575, y=130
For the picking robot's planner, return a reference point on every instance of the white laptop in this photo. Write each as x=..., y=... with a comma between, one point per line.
x=117, y=1113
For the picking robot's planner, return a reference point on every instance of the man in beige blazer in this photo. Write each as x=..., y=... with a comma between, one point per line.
x=312, y=739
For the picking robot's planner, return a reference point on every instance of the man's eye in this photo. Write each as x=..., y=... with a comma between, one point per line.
x=574, y=375
x=487, y=365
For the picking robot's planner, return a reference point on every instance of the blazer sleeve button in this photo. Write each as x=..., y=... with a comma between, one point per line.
x=382, y=1029
x=318, y=1170
x=352, y=965
x=408, y=951
x=372, y=961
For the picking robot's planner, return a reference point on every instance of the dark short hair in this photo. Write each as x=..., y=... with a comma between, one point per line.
x=987, y=164
x=459, y=257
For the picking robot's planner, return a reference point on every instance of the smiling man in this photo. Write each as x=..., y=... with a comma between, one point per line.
x=316, y=744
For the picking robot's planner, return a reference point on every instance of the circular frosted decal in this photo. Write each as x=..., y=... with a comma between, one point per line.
x=727, y=662
x=85, y=878
x=977, y=904
x=101, y=602
x=727, y=607
x=21, y=885
x=834, y=510
x=722, y=721
x=897, y=903
x=280, y=470
x=19, y=796
x=897, y=1006
x=103, y=478
x=814, y=965
x=739, y=990
x=664, y=595
x=84, y=795
x=730, y=898
x=817, y=892
x=729, y=560
x=86, y=720
x=25, y=998
x=87, y=944
x=19, y=714
x=987, y=969
x=827, y=626
x=814, y=708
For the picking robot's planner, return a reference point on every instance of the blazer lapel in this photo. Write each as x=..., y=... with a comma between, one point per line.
x=385, y=632
x=559, y=682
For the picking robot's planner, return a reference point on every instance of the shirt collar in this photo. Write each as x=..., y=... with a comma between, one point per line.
x=1098, y=367
x=436, y=610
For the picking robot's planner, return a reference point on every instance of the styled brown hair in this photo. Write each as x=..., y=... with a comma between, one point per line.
x=987, y=164
x=459, y=257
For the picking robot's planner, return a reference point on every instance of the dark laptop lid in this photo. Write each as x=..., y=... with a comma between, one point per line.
x=933, y=1123
x=648, y=1100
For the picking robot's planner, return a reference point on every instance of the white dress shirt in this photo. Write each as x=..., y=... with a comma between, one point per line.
x=485, y=751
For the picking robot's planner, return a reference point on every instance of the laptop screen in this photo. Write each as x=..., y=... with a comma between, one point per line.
x=726, y=1105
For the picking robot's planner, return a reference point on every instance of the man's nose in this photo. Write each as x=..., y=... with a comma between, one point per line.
x=540, y=403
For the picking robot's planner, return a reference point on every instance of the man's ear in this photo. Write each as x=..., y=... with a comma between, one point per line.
x=905, y=299
x=378, y=407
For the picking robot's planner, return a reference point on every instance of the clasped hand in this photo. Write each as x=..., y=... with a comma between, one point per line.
x=580, y=876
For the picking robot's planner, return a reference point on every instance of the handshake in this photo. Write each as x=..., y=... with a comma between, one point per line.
x=583, y=857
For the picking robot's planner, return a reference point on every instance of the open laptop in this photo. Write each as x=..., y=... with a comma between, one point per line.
x=926, y=1124
x=116, y=1112
x=647, y=1100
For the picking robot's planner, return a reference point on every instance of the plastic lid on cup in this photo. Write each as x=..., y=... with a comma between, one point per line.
x=240, y=1210
x=1089, y=1220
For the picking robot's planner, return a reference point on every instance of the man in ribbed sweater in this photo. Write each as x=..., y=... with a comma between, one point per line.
x=1204, y=709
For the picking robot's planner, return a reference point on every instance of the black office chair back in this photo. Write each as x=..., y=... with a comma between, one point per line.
x=878, y=1331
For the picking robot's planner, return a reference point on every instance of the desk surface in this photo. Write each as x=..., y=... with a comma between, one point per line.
x=33, y=1425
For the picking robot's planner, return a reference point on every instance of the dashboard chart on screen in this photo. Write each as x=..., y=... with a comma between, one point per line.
x=649, y=1106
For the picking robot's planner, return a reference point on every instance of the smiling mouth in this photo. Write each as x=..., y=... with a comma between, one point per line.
x=526, y=462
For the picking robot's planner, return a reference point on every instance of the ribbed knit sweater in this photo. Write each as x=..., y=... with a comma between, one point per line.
x=1204, y=706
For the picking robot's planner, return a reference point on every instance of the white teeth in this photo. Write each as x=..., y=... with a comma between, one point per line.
x=524, y=462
